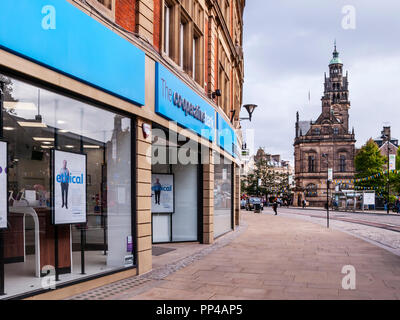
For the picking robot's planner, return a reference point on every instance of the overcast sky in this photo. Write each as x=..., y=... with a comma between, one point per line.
x=288, y=45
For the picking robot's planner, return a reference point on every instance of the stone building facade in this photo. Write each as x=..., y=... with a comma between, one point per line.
x=326, y=142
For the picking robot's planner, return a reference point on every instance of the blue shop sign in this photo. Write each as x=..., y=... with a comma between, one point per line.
x=177, y=102
x=226, y=136
x=58, y=35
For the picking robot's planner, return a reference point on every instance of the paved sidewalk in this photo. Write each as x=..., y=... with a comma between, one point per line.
x=281, y=258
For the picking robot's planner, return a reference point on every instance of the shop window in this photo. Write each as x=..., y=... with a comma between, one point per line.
x=222, y=197
x=38, y=121
x=174, y=189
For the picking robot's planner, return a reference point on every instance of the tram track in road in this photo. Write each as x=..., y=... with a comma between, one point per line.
x=385, y=226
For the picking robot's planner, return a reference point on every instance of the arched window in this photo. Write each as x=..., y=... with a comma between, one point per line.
x=342, y=163
x=311, y=163
x=311, y=190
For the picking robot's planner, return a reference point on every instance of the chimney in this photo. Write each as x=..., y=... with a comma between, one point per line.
x=386, y=132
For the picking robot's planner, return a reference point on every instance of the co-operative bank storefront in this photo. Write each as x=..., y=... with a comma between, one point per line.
x=69, y=158
x=179, y=166
x=81, y=198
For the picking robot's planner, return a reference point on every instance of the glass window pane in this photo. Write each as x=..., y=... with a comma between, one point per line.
x=222, y=198
x=184, y=220
x=35, y=121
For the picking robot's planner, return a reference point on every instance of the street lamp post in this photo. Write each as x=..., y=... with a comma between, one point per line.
x=388, y=177
x=387, y=138
x=250, y=109
x=328, y=180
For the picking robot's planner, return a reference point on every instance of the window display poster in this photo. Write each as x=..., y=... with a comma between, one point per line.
x=3, y=185
x=69, y=183
x=162, y=193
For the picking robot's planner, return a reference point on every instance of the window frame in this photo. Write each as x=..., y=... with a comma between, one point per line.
x=342, y=163
x=311, y=164
x=167, y=28
x=79, y=96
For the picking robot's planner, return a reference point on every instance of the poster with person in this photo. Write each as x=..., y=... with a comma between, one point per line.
x=3, y=185
x=162, y=193
x=69, y=187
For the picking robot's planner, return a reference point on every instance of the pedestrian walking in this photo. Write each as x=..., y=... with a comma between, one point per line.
x=304, y=203
x=398, y=205
x=275, y=206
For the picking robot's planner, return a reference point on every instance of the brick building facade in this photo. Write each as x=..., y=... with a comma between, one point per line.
x=201, y=39
x=326, y=142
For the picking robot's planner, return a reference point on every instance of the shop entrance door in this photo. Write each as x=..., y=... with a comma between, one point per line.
x=184, y=220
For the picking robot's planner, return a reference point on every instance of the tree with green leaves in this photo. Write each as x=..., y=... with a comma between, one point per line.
x=394, y=177
x=265, y=180
x=369, y=162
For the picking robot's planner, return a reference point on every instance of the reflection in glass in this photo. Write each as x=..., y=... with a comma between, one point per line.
x=222, y=198
x=36, y=120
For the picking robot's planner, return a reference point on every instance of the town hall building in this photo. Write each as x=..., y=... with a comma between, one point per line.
x=326, y=142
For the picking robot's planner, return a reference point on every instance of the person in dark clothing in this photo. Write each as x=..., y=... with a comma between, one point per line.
x=397, y=205
x=275, y=206
x=304, y=204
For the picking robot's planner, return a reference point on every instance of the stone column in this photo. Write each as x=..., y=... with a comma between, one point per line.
x=143, y=191
x=236, y=195
x=144, y=18
x=208, y=200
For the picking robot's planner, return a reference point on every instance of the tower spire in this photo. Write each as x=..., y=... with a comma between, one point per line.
x=335, y=53
x=335, y=59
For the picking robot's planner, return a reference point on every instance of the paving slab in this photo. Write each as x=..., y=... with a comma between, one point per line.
x=278, y=257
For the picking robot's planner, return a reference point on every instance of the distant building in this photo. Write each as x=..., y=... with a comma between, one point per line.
x=326, y=142
x=384, y=144
x=275, y=165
